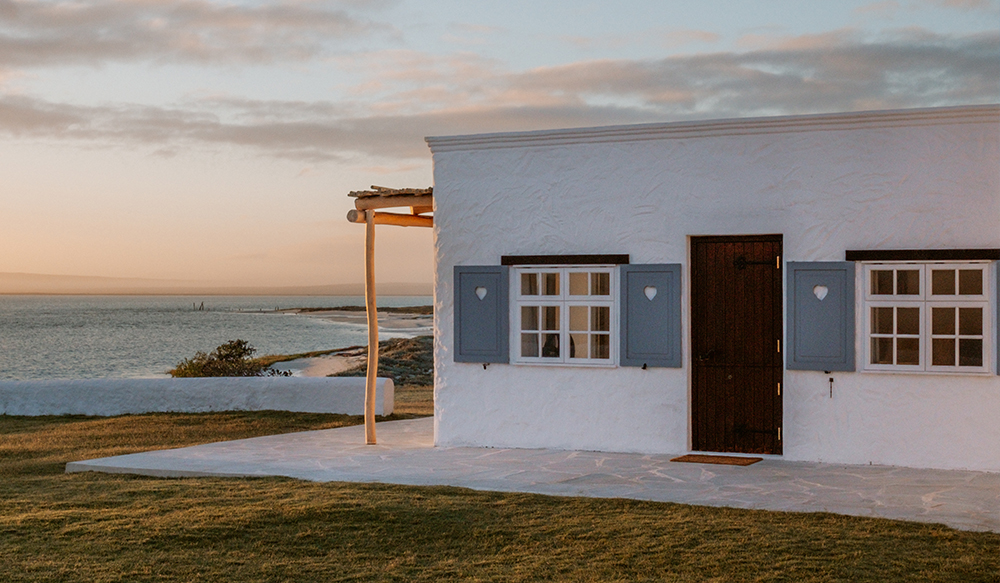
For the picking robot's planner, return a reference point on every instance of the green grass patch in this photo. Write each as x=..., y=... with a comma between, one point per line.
x=96, y=527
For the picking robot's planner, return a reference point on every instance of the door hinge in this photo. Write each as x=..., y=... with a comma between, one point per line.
x=779, y=389
x=777, y=262
x=779, y=433
x=779, y=346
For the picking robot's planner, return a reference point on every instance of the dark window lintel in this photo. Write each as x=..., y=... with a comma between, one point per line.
x=923, y=255
x=564, y=260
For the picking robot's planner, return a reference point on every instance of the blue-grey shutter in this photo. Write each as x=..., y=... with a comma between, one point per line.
x=481, y=324
x=651, y=326
x=820, y=316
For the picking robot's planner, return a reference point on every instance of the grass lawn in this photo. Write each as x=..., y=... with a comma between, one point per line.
x=96, y=527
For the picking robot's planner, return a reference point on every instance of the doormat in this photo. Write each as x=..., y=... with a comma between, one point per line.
x=726, y=460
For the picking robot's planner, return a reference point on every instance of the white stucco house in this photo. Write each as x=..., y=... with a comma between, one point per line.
x=819, y=287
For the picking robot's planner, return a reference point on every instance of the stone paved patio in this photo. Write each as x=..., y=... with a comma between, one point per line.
x=405, y=455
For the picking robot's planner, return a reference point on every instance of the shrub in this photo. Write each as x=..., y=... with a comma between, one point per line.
x=232, y=359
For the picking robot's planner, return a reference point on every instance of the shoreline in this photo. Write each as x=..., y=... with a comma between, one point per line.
x=388, y=321
x=393, y=322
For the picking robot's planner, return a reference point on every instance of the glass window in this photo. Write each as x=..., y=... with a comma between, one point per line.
x=529, y=284
x=565, y=315
x=931, y=317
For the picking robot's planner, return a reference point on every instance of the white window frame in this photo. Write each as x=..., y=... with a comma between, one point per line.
x=926, y=301
x=564, y=300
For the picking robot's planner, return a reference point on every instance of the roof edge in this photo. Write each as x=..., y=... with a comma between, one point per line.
x=963, y=114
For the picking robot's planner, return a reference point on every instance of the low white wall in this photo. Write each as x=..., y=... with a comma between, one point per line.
x=641, y=411
x=345, y=395
x=913, y=420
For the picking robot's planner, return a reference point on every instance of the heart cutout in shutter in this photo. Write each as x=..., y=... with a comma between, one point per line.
x=650, y=292
x=481, y=292
x=820, y=291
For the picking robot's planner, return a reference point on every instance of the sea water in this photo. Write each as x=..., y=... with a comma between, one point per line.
x=86, y=337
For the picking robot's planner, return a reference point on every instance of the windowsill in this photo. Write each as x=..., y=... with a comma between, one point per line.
x=952, y=373
x=566, y=364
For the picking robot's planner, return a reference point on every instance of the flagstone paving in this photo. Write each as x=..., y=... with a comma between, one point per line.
x=405, y=454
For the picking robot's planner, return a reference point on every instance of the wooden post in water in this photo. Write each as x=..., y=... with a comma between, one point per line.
x=371, y=310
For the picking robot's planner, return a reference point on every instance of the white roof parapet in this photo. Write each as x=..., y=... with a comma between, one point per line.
x=722, y=127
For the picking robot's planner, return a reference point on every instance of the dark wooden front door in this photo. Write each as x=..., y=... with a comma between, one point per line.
x=736, y=325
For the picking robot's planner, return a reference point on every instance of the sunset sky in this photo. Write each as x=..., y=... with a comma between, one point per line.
x=215, y=142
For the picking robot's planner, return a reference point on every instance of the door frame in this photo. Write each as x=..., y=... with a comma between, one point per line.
x=778, y=407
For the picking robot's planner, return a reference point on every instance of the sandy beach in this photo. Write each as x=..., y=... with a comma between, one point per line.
x=389, y=324
x=319, y=366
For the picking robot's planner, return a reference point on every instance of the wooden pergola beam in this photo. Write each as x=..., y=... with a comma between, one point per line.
x=398, y=219
x=382, y=202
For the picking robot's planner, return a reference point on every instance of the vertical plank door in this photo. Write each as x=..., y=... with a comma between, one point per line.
x=736, y=329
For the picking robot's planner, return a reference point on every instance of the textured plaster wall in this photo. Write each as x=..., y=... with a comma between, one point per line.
x=345, y=395
x=930, y=186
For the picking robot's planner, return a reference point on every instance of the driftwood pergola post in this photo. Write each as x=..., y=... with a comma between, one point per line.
x=371, y=309
x=420, y=202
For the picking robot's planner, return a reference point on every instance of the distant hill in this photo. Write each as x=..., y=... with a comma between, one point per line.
x=34, y=283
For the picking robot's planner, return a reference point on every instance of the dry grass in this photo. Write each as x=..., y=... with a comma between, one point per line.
x=416, y=401
x=94, y=527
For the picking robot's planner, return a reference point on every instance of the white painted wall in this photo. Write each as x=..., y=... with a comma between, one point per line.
x=917, y=180
x=344, y=395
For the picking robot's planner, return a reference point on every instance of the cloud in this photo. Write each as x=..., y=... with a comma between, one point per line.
x=889, y=8
x=968, y=5
x=38, y=33
x=456, y=95
x=830, y=72
x=883, y=9
x=468, y=34
x=667, y=38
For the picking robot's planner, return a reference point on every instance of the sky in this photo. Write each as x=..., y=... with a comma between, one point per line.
x=215, y=142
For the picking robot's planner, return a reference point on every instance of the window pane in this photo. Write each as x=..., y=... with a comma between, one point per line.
x=881, y=350
x=550, y=286
x=907, y=282
x=600, y=318
x=882, y=283
x=943, y=321
x=907, y=351
x=943, y=352
x=578, y=318
x=943, y=282
x=970, y=321
x=529, y=284
x=907, y=320
x=882, y=321
x=600, y=346
x=970, y=352
x=600, y=284
x=578, y=346
x=550, y=345
x=970, y=282
x=550, y=317
x=578, y=284
x=529, y=317
x=529, y=345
